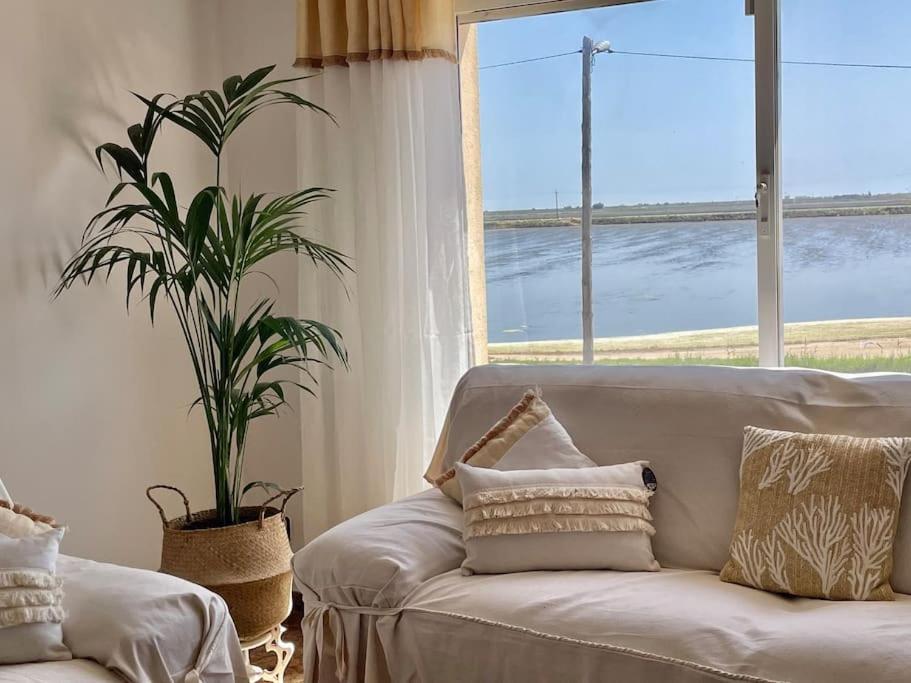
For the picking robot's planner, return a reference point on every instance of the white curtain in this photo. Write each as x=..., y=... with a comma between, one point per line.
x=398, y=211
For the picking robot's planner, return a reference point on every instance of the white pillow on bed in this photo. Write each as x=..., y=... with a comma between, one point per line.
x=4, y=494
x=31, y=610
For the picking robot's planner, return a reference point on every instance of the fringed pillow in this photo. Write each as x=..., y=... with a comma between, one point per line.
x=529, y=437
x=581, y=518
x=31, y=595
x=19, y=521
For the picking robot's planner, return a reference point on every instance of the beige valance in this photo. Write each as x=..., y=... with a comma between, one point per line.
x=338, y=32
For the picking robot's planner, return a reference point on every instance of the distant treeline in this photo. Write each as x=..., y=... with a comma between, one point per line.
x=794, y=207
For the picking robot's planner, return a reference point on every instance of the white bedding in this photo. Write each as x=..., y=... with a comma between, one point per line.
x=72, y=671
x=144, y=626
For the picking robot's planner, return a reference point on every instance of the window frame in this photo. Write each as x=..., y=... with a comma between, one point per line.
x=767, y=88
x=475, y=11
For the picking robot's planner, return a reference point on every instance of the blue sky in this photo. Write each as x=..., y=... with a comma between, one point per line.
x=682, y=130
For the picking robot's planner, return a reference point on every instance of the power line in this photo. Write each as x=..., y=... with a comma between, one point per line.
x=800, y=62
x=531, y=59
x=709, y=58
x=668, y=55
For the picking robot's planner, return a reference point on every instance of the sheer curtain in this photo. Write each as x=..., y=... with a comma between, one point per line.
x=394, y=161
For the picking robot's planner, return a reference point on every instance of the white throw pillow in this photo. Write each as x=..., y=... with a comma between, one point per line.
x=546, y=446
x=580, y=518
x=31, y=610
x=528, y=437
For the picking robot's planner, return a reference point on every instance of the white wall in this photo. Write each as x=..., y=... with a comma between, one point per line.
x=93, y=403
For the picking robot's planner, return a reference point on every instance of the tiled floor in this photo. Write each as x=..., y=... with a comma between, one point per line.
x=294, y=672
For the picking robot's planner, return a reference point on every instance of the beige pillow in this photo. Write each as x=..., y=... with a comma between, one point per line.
x=18, y=521
x=577, y=518
x=529, y=437
x=817, y=514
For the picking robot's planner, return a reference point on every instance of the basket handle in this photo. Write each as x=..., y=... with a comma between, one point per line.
x=164, y=519
x=287, y=493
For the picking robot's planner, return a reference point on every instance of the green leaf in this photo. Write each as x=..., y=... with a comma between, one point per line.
x=197, y=221
x=153, y=293
x=136, y=133
x=169, y=112
x=267, y=486
x=229, y=87
x=125, y=160
x=253, y=79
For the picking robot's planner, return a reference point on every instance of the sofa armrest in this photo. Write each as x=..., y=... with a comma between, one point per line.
x=377, y=558
x=147, y=626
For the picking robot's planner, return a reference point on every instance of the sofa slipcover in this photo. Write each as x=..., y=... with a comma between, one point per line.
x=136, y=625
x=376, y=559
x=383, y=602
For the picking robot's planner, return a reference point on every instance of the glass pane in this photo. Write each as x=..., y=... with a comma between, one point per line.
x=846, y=179
x=674, y=254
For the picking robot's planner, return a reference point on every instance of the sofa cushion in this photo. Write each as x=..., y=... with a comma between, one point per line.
x=672, y=625
x=817, y=514
x=380, y=556
x=580, y=518
x=688, y=423
x=529, y=437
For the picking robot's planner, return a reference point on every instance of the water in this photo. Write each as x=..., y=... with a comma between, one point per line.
x=666, y=277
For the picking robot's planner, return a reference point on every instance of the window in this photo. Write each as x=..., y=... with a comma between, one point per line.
x=846, y=178
x=684, y=113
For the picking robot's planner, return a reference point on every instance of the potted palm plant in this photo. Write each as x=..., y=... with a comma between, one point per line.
x=244, y=356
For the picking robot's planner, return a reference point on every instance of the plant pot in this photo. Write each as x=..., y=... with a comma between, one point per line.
x=248, y=564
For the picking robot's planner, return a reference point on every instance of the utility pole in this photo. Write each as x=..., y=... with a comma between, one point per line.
x=588, y=346
x=589, y=51
x=557, y=204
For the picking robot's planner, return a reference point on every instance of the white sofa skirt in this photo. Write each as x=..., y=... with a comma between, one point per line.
x=681, y=626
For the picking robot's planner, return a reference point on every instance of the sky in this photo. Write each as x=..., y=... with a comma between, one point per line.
x=683, y=130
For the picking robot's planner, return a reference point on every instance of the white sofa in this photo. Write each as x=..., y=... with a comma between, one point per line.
x=385, y=600
x=125, y=624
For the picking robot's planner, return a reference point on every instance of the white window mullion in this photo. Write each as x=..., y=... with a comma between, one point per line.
x=768, y=180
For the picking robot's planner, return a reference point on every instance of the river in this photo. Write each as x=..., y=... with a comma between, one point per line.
x=666, y=277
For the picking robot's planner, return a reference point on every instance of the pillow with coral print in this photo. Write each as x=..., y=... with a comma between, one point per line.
x=817, y=514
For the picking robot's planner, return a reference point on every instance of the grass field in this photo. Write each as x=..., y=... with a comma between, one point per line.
x=860, y=345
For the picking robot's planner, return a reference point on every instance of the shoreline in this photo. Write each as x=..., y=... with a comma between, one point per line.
x=857, y=338
x=695, y=217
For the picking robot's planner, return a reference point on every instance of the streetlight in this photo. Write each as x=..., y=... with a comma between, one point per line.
x=589, y=50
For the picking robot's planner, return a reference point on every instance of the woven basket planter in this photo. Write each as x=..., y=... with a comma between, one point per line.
x=248, y=564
